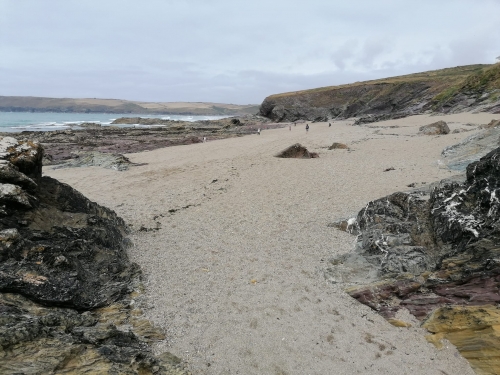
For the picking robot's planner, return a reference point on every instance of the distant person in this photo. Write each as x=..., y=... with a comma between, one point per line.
x=258, y=131
x=290, y=127
x=307, y=128
x=204, y=139
x=329, y=125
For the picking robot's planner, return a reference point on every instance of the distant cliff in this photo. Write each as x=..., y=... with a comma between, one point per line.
x=446, y=90
x=39, y=104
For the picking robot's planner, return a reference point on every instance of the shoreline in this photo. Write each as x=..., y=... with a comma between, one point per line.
x=237, y=241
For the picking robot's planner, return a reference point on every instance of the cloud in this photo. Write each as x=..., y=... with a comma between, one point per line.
x=231, y=51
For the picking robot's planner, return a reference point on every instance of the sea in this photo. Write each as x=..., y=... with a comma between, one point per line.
x=46, y=121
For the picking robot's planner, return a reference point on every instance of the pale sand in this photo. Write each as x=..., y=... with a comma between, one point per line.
x=236, y=279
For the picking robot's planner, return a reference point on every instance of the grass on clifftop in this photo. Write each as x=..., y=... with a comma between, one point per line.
x=483, y=80
x=439, y=80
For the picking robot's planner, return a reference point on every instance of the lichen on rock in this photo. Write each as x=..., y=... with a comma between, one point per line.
x=432, y=250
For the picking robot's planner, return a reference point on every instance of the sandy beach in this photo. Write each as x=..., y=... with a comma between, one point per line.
x=234, y=242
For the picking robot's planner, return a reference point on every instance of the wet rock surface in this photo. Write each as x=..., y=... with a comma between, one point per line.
x=427, y=250
x=67, y=288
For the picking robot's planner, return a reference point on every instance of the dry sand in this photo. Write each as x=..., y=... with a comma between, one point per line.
x=235, y=275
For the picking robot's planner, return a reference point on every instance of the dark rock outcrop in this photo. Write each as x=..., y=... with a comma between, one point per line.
x=425, y=252
x=436, y=128
x=297, y=151
x=63, y=271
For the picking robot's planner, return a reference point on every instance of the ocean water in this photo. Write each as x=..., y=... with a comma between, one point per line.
x=43, y=121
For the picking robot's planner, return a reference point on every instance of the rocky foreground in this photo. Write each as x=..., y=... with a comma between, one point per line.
x=435, y=253
x=69, y=296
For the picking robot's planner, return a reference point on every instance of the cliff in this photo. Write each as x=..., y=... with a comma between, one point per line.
x=445, y=90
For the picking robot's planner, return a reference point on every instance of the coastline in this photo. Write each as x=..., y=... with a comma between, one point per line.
x=235, y=244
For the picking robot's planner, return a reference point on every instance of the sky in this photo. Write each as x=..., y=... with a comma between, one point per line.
x=232, y=51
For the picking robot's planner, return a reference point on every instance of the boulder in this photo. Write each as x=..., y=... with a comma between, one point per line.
x=338, y=146
x=297, y=151
x=435, y=128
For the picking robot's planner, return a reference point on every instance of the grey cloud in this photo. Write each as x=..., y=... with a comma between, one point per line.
x=230, y=51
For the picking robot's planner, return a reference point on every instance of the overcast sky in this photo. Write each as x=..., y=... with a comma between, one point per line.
x=231, y=51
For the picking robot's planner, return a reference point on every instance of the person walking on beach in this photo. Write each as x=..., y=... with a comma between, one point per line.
x=307, y=128
x=204, y=139
x=329, y=125
x=290, y=127
x=258, y=131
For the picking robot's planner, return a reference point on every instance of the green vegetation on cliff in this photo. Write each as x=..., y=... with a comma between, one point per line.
x=437, y=90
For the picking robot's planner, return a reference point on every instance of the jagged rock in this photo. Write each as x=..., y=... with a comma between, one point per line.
x=423, y=252
x=117, y=162
x=25, y=156
x=65, y=224
x=383, y=117
x=36, y=339
x=65, y=279
x=491, y=124
x=13, y=194
x=435, y=128
x=460, y=325
x=337, y=146
x=471, y=149
x=297, y=151
x=9, y=173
